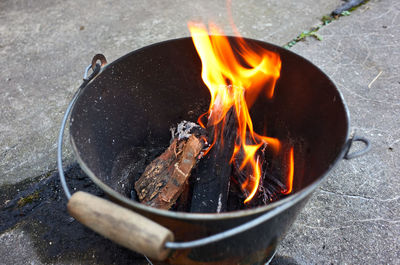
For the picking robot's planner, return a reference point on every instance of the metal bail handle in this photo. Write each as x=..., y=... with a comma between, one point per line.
x=86, y=79
x=350, y=155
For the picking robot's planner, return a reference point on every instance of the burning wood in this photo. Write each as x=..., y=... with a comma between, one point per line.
x=164, y=179
x=235, y=76
x=211, y=181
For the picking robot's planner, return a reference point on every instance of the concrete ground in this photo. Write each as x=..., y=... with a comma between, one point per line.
x=46, y=45
x=353, y=218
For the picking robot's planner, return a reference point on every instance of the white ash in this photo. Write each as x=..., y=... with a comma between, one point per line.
x=219, y=203
x=183, y=131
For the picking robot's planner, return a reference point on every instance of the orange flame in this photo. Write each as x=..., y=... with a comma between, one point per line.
x=235, y=76
x=289, y=178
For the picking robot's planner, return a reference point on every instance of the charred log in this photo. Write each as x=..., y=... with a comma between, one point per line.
x=211, y=179
x=271, y=186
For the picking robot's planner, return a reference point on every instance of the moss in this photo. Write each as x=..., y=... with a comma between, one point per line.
x=327, y=19
x=302, y=36
x=10, y=191
x=28, y=199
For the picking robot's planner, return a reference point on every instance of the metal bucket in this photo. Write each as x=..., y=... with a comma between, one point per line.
x=134, y=101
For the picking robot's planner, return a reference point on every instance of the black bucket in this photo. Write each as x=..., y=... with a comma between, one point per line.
x=134, y=101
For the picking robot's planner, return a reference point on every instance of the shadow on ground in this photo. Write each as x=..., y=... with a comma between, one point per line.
x=39, y=209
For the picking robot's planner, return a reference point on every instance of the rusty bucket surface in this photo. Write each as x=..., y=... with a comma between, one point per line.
x=134, y=101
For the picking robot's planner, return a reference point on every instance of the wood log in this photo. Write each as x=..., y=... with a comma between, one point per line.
x=165, y=178
x=211, y=179
x=273, y=169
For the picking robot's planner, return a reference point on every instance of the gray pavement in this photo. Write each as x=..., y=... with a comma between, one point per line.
x=353, y=218
x=45, y=46
x=18, y=242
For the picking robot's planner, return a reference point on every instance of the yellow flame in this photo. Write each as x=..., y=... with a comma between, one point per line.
x=236, y=75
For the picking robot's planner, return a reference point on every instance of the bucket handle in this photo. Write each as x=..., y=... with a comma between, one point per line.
x=350, y=155
x=135, y=231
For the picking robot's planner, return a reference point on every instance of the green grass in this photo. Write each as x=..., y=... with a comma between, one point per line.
x=325, y=20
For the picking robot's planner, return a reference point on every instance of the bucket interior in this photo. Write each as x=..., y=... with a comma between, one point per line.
x=135, y=101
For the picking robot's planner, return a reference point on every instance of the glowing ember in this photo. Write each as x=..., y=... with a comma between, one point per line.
x=235, y=76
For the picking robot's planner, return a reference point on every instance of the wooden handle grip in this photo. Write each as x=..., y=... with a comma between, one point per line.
x=121, y=225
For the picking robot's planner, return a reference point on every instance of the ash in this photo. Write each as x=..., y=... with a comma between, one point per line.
x=183, y=130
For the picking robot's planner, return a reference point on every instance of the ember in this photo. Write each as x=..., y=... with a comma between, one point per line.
x=236, y=158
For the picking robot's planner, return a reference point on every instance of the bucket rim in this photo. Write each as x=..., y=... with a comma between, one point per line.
x=283, y=204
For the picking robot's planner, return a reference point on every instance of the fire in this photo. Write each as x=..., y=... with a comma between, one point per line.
x=289, y=184
x=235, y=76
